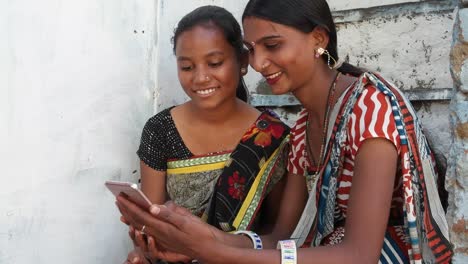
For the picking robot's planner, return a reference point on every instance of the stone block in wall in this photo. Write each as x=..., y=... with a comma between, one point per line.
x=436, y=125
x=336, y=5
x=463, y=45
x=401, y=47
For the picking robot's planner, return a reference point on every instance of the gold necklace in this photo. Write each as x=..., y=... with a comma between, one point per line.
x=330, y=98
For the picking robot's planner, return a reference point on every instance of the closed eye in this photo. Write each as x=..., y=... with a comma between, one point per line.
x=186, y=68
x=272, y=46
x=215, y=64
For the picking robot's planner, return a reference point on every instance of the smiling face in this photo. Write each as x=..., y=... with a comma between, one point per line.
x=207, y=66
x=282, y=54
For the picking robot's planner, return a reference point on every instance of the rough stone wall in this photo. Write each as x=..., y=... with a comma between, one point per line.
x=457, y=174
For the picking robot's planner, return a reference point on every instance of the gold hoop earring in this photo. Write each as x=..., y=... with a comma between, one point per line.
x=321, y=51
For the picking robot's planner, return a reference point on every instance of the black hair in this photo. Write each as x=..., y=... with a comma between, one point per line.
x=219, y=17
x=303, y=15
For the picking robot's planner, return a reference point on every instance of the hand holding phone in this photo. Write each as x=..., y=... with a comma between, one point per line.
x=130, y=191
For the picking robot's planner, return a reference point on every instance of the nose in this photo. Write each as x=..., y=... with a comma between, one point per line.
x=201, y=75
x=259, y=62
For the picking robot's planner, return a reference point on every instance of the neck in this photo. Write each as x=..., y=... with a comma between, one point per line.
x=218, y=115
x=314, y=94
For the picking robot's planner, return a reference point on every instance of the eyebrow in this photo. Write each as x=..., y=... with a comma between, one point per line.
x=262, y=39
x=210, y=54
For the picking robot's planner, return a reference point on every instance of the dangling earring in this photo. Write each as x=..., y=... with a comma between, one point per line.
x=243, y=70
x=320, y=52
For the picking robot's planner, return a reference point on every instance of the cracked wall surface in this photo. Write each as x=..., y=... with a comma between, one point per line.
x=75, y=91
x=457, y=174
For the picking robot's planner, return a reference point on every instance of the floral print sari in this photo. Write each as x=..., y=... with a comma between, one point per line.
x=227, y=189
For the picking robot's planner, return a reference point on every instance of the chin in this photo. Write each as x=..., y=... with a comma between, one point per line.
x=207, y=105
x=279, y=90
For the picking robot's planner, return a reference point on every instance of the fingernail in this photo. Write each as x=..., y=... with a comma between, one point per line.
x=154, y=209
x=135, y=259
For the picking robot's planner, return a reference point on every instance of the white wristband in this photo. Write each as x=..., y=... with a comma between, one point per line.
x=288, y=251
x=256, y=240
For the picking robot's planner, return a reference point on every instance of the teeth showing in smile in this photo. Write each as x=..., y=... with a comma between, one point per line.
x=205, y=92
x=273, y=75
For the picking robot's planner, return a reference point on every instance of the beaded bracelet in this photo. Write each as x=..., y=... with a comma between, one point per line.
x=288, y=251
x=256, y=240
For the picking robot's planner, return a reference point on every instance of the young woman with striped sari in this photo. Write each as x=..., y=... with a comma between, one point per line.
x=358, y=146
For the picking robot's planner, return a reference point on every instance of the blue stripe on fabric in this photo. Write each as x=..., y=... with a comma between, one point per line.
x=415, y=241
x=396, y=248
x=383, y=260
x=389, y=254
x=395, y=110
x=412, y=224
x=323, y=198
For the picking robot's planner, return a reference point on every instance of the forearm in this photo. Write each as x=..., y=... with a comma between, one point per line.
x=236, y=241
x=269, y=241
x=222, y=254
x=338, y=254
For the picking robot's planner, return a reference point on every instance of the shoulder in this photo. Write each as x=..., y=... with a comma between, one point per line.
x=371, y=106
x=372, y=116
x=162, y=119
x=374, y=97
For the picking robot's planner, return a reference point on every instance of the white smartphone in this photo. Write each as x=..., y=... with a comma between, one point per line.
x=131, y=191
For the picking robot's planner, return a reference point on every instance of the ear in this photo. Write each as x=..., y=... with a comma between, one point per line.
x=319, y=37
x=244, y=62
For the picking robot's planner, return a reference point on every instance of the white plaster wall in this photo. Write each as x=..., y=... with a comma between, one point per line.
x=76, y=86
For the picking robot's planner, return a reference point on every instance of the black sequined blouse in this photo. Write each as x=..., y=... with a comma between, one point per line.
x=161, y=141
